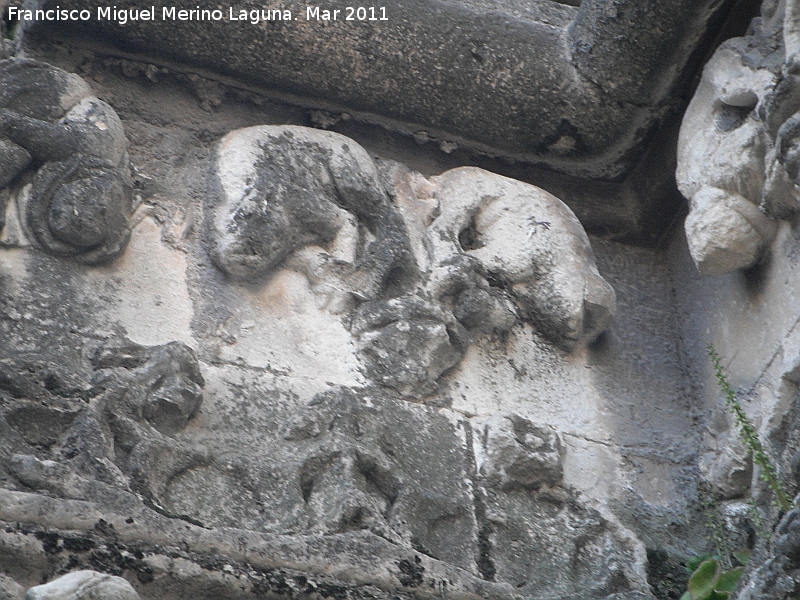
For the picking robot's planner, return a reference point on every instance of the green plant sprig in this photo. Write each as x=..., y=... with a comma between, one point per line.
x=769, y=473
x=709, y=581
x=715, y=522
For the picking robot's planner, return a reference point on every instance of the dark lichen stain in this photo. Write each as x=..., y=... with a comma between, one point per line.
x=411, y=572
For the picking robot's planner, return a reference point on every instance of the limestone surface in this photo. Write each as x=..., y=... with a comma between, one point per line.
x=333, y=366
x=737, y=154
x=414, y=274
x=487, y=74
x=76, y=199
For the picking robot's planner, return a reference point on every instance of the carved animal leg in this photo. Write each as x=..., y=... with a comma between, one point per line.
x=46, y=141
x=13, y=160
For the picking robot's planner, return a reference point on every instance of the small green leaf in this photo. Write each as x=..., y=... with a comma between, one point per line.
x=743, y=556
x=728, y=580
x=696, y=561
x=704, y=579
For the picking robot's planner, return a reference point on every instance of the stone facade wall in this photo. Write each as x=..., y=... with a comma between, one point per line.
x=256, y=349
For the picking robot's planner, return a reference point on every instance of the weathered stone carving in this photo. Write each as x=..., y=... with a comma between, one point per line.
x=280, y=189
x=347, y=463
x=499, y=243
x=578, y=553
x=367, y=462
x=483, y=284
x=491, y=75
x=77, y=199
x=140, y=397
x=738, y=161
x=407, y=343
x=490, y=252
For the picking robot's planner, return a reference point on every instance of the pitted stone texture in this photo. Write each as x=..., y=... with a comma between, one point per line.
x=358, y=469
x=165, y=388
x=279, y=189
x=187, y=561
x=577, y=553
x=78, y=200
x=725, y=463
x=516, y=454
x=231, y=470
x=10, y=589
x=347, y=462
x=493, y=234
x=13, y=160
x=778, y=577
x=408, y=343
x=84, y=585
x=119, y=431
x=575, y=88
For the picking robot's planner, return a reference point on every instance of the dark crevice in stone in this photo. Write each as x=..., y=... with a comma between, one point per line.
x=411, y=573
x=484, y=561
x=162, y=511
x=667, y=579
x=469, y=238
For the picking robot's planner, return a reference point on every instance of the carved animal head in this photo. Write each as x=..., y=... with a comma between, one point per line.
x=509, y=241
x=278, y=189
x=739, y=147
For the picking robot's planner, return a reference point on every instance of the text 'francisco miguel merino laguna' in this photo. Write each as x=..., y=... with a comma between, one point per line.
x=172, y=13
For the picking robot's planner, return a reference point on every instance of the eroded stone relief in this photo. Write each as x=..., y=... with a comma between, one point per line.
x=415, y=270
x=64, y=178
x=737, y=153
x=738, y=166
x=315, y=372
x=464, y=253
x=120, y=431
x=521, y=477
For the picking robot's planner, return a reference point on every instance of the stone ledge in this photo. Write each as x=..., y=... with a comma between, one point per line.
x=362, y=562
x=578, y=98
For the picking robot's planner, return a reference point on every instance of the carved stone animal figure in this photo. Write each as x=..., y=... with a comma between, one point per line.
x=494, y=252
x=498, y=243
x=279, y=189
x=721, y=155
x=77, y=199
x=739, y=147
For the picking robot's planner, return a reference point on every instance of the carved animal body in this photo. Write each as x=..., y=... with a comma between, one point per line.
x=530, y=244
x=279, y=189
x=282, y=193
x=78, y=201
